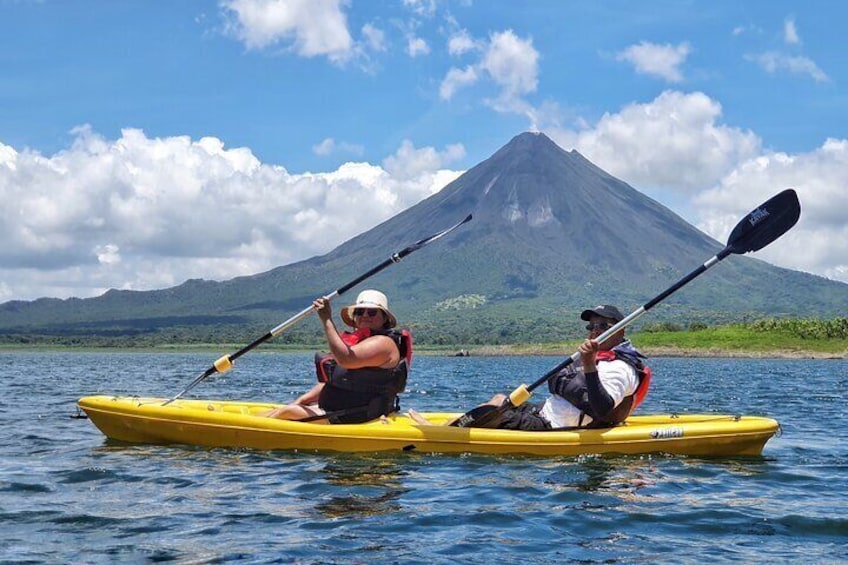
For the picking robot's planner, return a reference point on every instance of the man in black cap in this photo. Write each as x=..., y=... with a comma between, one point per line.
x=601, y=390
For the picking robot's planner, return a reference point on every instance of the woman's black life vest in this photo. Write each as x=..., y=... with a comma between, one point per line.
x=570, y=383
x=351, y=396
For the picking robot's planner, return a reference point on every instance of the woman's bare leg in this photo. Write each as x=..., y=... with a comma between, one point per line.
x=296, y=412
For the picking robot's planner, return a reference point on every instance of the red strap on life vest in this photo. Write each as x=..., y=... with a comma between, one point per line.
x=644, y=382
x=406, y=350
x=642, y=389
x=605, y=355
x=352, y=338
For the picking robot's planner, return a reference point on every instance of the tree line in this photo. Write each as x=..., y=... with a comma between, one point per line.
x=486, y=330
x=801, y=328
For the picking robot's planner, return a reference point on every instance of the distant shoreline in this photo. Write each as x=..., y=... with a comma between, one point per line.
x=774, y=354
x=515, y=350
x=655, y=351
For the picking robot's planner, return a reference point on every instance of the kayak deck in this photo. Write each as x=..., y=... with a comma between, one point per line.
x=234, y=424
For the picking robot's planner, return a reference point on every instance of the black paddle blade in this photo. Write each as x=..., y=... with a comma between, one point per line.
x=486, y=416
x=769, y=221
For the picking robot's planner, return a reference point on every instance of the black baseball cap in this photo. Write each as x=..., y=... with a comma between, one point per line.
x=604, y=311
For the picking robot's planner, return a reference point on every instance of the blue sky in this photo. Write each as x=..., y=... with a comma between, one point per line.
x=143, y=143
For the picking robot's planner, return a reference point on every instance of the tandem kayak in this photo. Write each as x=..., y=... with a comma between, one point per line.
x=215, y=423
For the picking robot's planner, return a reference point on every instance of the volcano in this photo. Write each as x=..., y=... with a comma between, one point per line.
x=552, y=234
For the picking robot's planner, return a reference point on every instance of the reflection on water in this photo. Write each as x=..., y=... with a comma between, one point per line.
x=615, y=474
x=359, y=505
x=363, y=487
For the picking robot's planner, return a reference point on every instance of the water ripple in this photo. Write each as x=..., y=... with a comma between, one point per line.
x=65, y=492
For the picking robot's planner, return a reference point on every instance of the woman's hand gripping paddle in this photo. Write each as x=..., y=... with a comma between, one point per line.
x=762, y=226
x=225, y=363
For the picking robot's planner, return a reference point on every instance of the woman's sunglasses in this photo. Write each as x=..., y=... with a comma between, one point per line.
x=365, y=311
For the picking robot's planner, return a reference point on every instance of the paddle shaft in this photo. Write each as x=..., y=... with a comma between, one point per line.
x=277, y=330
x=226, y=362
x=633, y=316
x=760, y=227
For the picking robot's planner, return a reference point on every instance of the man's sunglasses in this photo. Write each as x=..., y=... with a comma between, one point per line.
x=603, y=326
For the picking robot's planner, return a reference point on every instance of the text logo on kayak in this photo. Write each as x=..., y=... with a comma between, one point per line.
x=667, y=433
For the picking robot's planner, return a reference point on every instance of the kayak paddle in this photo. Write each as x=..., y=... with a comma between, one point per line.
x=225, y=363
x=759, y=228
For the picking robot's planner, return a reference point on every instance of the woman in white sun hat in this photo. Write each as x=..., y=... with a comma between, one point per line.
x=365, y=371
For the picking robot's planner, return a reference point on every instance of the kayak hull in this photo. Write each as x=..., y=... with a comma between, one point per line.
x=234, y=424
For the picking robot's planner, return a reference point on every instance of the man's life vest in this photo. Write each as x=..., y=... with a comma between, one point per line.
x=358, y=395
x=643, y=372
x=570, y=383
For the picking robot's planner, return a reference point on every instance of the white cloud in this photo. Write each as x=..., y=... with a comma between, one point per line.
x=375, y=38
x=746, y=29
x=772, y=62
x=816, y=244
x=512, y=63
x=714, y=174
x=461, y=43
x=326, y=147
x=426, y=8
x=790, y=33
x=314, y=27
x=663, y=61
x=409, y=162
x=416, y=46
x=329, y=146
x=143, y=213
x=455, y=80
x=108, y=254
x=509, y=62
x=689, y=149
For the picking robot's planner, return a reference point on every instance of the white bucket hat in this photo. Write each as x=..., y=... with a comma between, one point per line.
x=369, y=299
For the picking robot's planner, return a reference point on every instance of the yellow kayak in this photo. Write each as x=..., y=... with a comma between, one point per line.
x=216, y=423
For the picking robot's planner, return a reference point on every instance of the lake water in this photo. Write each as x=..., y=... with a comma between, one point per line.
x=67, y=495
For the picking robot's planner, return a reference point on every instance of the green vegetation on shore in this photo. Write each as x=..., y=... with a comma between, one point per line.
x=783, y=337
x=763, y=338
